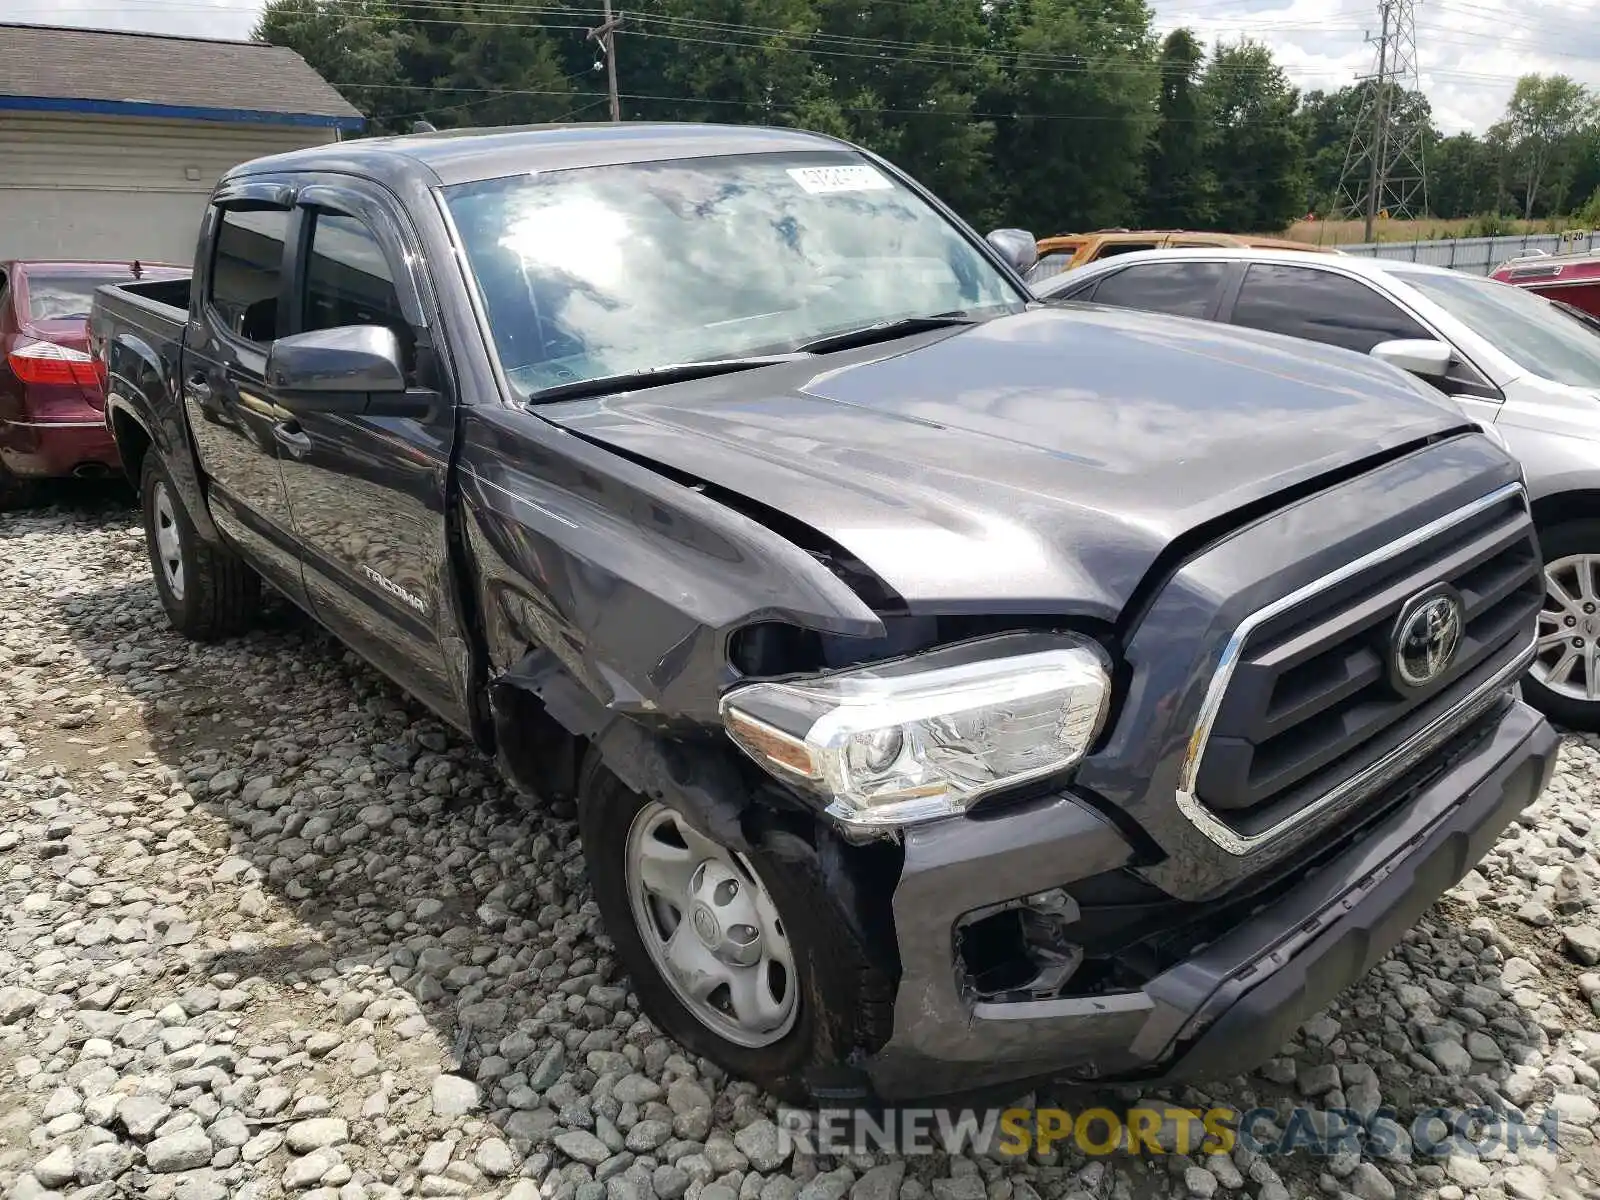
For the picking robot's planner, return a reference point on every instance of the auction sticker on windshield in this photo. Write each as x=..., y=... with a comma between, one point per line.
x=839, y=179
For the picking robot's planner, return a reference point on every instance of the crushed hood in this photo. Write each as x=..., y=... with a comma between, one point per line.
x=1035, y=463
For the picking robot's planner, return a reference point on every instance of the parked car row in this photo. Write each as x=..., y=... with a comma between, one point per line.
x=956, y=690
x=1068, y=251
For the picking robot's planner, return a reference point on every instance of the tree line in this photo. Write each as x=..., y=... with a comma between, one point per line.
x=1052, y=115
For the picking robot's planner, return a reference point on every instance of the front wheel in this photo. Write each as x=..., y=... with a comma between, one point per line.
x=207, y=591
x=742, y=958
x=1564, y=682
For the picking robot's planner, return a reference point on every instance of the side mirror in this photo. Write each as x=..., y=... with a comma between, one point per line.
x=1421, y=356
x=1017, y=246
x=350, y=369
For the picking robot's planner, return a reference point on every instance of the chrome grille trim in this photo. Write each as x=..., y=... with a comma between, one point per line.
x=1231, y=840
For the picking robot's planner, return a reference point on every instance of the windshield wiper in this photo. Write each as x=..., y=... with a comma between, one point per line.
x=884, y=331
x=627, y=381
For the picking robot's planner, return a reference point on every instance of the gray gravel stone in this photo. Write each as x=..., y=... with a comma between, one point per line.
x=833, y=1185
x=314, y=1134
x=1369, y=1183
x=181, y=1151
x=669, y=1182
x=1582, y=942
x=57, y=1168
x=583, y=1146
x=881, y=1182
x=454, y=1096
x=310, y=1170
x=438, y=984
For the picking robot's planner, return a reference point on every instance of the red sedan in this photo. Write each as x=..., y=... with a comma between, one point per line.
x=52, y=396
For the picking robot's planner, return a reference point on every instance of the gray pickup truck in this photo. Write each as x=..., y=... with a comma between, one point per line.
x=955, y=691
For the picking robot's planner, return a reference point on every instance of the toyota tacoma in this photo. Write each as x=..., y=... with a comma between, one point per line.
x=955, y=692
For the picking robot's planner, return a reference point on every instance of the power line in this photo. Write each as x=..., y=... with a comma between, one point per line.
x=1385, y=167
x=812, y=43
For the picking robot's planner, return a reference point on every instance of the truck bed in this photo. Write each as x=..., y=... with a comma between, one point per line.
x=165, y=300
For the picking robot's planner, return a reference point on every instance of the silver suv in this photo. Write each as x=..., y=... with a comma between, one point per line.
x=1523, y=366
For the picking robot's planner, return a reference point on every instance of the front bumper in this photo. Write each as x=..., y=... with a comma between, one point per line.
x=1229, y=1006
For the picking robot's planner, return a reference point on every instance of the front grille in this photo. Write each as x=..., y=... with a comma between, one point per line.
x=1311, y=705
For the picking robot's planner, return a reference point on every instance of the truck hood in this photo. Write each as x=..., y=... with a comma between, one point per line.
x=1036, y=463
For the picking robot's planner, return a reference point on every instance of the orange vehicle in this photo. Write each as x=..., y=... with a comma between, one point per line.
x=1068, y=251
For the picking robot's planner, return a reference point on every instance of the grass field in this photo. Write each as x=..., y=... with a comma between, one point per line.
x=1341, y=233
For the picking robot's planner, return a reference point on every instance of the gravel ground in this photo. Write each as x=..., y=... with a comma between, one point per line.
x=271, y=930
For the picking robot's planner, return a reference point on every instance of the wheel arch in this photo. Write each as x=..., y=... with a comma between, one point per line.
x=1557, y=508
x=133, y=441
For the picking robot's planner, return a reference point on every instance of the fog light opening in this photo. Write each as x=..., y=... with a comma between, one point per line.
x=1021, y=952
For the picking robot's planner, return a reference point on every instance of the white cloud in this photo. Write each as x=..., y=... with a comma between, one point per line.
x=1470, y=52
x=228, y=19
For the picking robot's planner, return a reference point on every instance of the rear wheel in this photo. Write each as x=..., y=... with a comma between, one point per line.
x=207, y=591
x=1564, y=682
x=740, y=957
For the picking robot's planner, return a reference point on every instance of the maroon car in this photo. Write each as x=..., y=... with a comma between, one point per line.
x=52, y=397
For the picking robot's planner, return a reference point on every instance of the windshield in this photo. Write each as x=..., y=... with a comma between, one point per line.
x=1534, y=333
x=64, y=297
x=602, y=271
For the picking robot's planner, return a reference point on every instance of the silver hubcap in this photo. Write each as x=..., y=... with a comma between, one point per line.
x=169, y=542
x=711, y=929
x=1569, y=628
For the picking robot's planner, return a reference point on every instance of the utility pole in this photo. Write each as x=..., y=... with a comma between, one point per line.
x=1385, y=167
x=605, y=35
x=1380, y=84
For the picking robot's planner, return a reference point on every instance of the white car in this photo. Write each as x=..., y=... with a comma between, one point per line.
x=1526, y=367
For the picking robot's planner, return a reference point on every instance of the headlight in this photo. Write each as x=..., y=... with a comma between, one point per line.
x=925, y=736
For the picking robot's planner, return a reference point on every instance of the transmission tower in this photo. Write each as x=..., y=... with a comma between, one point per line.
x=1384, y=167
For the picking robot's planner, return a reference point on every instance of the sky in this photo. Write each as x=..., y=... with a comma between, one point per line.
x=1470, y=52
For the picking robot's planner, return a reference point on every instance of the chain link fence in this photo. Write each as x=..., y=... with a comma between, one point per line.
x=1479, y=256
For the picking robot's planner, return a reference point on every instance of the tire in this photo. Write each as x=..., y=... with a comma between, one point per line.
x=840, y=1001
x=1571, y=551
x=207, y=591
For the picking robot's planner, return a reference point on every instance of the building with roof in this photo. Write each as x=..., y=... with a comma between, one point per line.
x=110, y=143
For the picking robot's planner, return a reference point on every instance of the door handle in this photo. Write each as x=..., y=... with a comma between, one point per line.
x=292, y=438
x=197, y=387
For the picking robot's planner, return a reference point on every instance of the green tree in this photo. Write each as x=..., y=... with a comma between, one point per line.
x=1258, y=156
x=356, y=45
x=1543, y=122
x=729, y=60
x=1081, y=101
x=1326, y=119
x=1462, y=177
x=906, y=76
x=1180, y=189
x=484, y=64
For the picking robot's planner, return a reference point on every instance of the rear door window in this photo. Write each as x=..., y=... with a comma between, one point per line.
x=1320, y=306
x=247, y=272
x=1188, y=289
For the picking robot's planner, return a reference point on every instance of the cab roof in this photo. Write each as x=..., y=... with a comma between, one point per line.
x=465, y=155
